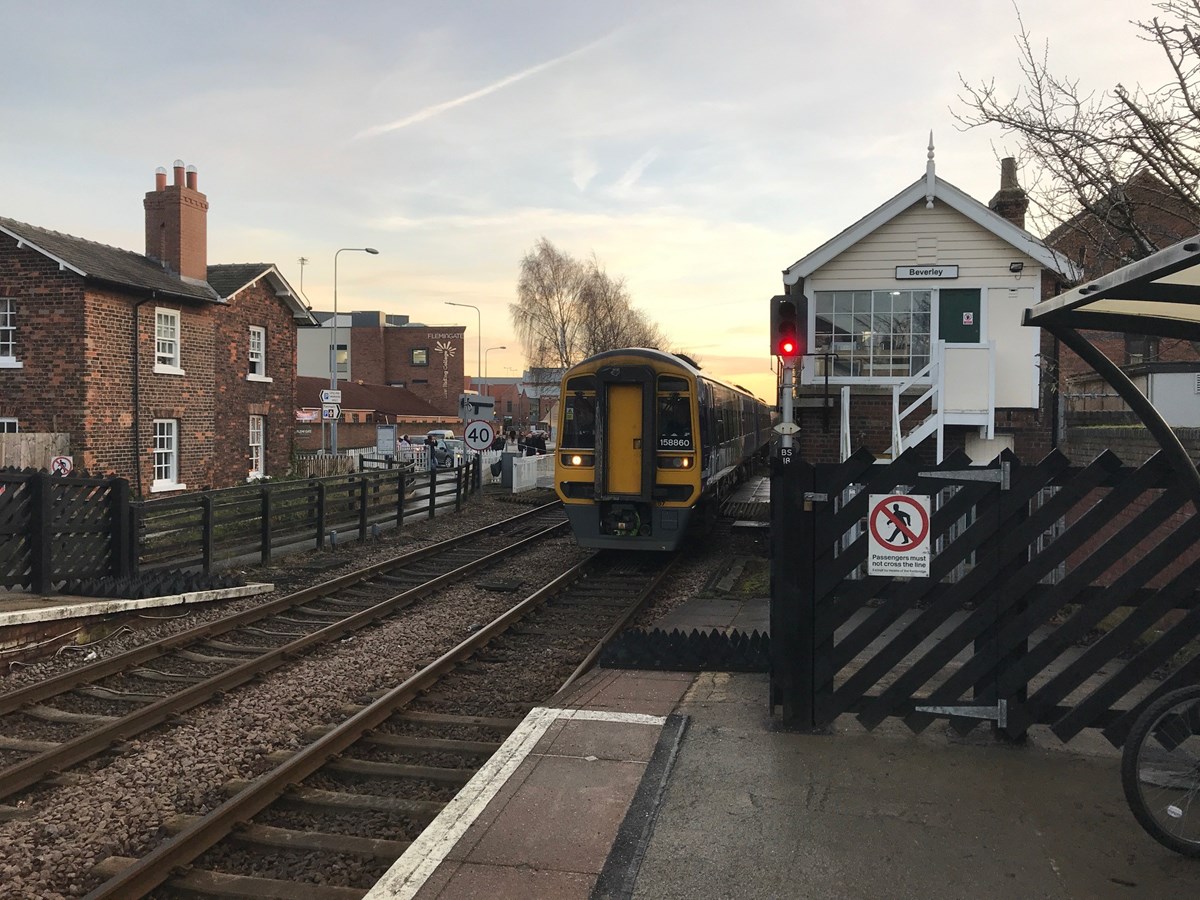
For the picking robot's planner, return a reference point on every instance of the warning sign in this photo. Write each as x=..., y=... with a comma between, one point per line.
x=898, y=543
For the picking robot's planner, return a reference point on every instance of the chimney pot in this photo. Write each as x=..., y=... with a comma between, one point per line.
x=1008, y=174
x=160, y=179
x=191, y=178
x=178, y=166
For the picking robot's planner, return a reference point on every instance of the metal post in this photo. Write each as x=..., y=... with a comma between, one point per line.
x=478, y=338
x=333, y=424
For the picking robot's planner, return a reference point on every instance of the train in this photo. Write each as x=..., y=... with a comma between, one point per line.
x=647, y=444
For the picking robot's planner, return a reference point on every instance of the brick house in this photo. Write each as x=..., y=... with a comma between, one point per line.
x=163, y=369
x=364, y=406
x=919, y=305
x=384, y=349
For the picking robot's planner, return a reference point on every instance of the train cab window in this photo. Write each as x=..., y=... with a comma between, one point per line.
x=674, y=423
x=579, y=422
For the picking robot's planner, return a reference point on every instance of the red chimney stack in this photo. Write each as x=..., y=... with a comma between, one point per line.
x=177, y=224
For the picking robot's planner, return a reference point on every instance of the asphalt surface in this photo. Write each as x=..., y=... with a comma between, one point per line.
x=751, y=811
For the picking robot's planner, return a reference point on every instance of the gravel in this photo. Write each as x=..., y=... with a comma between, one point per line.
x=119, y=805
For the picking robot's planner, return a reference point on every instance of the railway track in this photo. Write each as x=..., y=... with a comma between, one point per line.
x=49, y=726
x=327, y=821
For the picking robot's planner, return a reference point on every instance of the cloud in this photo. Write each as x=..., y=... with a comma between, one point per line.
x=437, y=109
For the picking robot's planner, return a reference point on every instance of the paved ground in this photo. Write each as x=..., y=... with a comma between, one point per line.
x=753, y=812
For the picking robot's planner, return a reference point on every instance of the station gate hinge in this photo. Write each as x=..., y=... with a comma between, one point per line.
x=998, y=712
x=1002, y=475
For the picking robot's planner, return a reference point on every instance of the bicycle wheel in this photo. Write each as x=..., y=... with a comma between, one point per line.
x=1160, y=770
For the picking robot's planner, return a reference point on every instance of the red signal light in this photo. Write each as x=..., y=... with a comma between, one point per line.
x=787, y=348
x=788, y=317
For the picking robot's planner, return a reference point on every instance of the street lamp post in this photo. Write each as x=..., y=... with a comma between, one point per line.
x=486, y=383
x=479, y=338
x=333, y=341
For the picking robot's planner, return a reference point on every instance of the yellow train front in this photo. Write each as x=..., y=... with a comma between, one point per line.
x=645, y=443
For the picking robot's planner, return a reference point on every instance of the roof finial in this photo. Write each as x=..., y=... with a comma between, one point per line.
x=929, y=176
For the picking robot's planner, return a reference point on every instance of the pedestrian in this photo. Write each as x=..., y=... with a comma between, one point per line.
x=512, y=445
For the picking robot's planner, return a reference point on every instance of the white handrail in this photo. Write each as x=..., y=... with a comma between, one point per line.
x=933, y=371
x=845, y=425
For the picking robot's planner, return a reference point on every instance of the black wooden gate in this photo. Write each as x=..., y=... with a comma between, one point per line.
x=1057, y=595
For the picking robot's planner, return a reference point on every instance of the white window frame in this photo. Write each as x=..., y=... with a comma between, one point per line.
x=8, y=334
x=257, y=356
x=167, y=330
x=812, y=371
x=166, y=456
x=9, y=425
x=258, y=448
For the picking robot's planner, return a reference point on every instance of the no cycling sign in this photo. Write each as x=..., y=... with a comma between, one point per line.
x=898, y=540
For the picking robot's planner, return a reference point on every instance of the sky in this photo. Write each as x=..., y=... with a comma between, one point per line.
x=696, y=148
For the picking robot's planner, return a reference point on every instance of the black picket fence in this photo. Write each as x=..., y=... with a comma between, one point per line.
x=53, y=528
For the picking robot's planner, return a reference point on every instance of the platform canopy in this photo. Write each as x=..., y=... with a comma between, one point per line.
x=1158, y=295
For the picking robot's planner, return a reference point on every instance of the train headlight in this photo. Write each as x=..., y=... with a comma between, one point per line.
x=674, y=462
x=578, y=460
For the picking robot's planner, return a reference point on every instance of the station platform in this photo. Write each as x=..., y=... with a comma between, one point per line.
x=681, y=785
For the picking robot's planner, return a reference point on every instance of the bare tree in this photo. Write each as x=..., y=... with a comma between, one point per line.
x=1117, y=171
x=567, y=310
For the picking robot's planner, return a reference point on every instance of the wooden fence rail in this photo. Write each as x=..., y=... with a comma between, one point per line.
x=53, y=528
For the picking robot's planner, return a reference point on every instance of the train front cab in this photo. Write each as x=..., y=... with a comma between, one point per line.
x=628, y=466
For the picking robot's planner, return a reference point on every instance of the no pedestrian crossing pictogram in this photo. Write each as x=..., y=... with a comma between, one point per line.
x=899, y=534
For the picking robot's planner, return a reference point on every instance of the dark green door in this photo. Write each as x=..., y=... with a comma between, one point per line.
x=958, y=315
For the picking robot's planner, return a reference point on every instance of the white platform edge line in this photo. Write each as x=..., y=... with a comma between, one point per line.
x=409, y=873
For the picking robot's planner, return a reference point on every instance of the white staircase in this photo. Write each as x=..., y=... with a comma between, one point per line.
x=958, y=387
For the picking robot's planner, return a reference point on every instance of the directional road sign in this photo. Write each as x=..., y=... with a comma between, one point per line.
x=331, y=396
x=330, y=411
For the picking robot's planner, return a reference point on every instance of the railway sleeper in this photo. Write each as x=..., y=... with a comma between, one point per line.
x=370, y=769
x=112, y=696
x=169, y=677
x=415, y=742
x=291, y=839
x=314, y=799
x=25, y=745
x=206, y=883
x=50, y=714
x=227, y=647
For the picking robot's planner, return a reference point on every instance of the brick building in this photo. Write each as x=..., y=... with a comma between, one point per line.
x=919, y=305
x=364, y=406
x=162, y=369
x=382, y=349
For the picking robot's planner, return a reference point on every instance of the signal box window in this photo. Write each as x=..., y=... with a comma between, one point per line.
x=579, y=423
x=420, y=356
x=874, y=334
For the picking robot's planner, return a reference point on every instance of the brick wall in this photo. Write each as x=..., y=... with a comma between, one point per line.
x=238, y=398
x=47, y=393
x=439, y=383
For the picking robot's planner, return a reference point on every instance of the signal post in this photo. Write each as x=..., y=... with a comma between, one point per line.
x=793, y=615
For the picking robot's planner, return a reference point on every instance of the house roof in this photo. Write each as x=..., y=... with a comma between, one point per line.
x=381, y=398
x=104, y=263
x=230, y=278
x=929, y=188
x=125, y=268
x=1158, y=295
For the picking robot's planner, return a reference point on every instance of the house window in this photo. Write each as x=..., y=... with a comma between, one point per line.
x=166, y=456
x=166, y=342
x=257, y=458
x=872, y=334
x=258, y=355
x=8, y=334
x=8, y=426
x=420, y=357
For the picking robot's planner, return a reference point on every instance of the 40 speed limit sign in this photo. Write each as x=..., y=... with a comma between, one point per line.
x=479, y=435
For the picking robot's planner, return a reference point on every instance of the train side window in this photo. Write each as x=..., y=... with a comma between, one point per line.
x=579, y=422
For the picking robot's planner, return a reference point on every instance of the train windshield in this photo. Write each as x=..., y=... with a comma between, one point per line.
x=579, y=422
x=674, y=423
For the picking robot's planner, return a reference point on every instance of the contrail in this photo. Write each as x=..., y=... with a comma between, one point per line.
x=436, y=109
